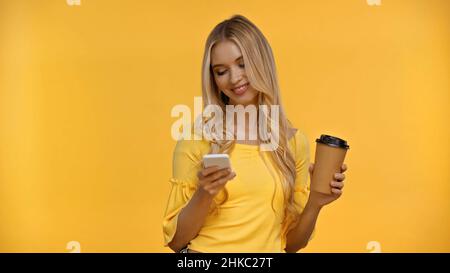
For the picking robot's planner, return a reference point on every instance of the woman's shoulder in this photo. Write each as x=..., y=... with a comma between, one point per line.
x=192, y=143
x=192, y=146
x=295, y=134
x=297, y=140
x=292, y=132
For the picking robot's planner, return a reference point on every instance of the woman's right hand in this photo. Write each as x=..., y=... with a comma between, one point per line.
x=212, y=179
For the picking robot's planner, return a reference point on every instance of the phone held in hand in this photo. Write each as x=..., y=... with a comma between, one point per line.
x=220, y=160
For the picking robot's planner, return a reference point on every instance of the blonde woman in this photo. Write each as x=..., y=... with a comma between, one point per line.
x=262, y=203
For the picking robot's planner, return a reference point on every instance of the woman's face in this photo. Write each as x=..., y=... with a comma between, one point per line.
x=229, y=73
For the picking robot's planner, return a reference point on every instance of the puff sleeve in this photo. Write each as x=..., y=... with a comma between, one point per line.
x=187, y=159
x=300, y=149
x=302, y=182
x=302, y=158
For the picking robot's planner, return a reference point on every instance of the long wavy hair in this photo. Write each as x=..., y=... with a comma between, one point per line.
x=261, y=73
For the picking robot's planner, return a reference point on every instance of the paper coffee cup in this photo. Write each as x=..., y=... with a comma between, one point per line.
x=330, y=154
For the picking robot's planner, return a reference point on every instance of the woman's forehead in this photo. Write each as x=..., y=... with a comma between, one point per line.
x=225, y=52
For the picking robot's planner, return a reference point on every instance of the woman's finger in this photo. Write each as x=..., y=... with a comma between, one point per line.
x=339, y=176
x=336, y=192
x=225, y=179
x=343, y=167
x=207, y=171
x=217, y=175
x=222, y=181
x=337, y=184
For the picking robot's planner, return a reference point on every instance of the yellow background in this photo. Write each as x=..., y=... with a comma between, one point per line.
x=86, y=93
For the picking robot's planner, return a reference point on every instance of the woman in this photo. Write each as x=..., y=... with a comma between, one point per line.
x=263, y=204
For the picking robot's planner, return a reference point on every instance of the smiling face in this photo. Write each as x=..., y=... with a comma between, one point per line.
x=228, y=68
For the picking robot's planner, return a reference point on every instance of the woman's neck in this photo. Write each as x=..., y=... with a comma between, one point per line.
x=246, y=129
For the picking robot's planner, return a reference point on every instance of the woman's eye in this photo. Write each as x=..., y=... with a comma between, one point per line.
x=242, y=65
x=220, y=73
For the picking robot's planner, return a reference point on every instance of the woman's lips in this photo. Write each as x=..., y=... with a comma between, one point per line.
x=241, y=89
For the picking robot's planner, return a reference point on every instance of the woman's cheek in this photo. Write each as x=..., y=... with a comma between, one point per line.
x=221, y=84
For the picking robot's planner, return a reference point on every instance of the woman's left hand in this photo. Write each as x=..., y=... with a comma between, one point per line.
x=320, y=199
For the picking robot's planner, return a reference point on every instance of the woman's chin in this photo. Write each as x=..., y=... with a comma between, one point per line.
x=245, y=99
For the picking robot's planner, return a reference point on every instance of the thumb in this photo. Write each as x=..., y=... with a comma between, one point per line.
x=311, y=168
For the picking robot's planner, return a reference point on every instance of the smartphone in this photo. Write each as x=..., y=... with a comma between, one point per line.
x=220, y=160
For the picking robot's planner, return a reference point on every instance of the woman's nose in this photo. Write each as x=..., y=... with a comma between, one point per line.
x=236, y=76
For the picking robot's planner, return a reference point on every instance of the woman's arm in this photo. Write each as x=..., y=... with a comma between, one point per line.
x=191, y=219
x=193, y=215
x=298, y=237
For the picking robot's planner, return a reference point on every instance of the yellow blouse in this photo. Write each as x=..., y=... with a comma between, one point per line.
x=251, y=219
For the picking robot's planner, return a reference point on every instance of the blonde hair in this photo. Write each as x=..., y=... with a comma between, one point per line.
x=261, y=73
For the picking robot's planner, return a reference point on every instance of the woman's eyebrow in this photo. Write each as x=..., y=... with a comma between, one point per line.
x=237, y=59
